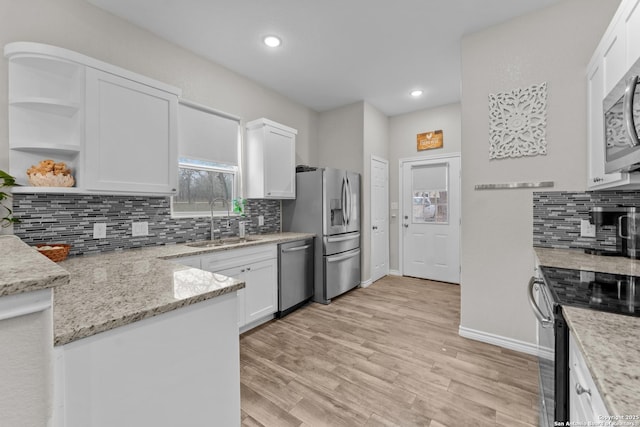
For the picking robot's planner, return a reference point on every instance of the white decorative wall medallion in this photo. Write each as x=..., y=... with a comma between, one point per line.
x=518, y=122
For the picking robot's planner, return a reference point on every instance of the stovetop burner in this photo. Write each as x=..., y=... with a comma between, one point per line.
x=615, y=293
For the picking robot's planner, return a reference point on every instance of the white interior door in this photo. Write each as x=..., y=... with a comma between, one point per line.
x=430, y=222
x=379, y=218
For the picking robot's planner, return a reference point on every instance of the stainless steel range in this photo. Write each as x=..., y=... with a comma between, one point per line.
x=328, y=204
x=558, y=287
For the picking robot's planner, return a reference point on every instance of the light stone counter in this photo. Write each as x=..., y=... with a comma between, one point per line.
x=23, y=269
x=116, y=288
x=609, y=342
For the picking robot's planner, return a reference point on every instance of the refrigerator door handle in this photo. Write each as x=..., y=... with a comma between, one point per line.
x=348, y=200
x=344, y=201
x=343, y=257
x=342, y=239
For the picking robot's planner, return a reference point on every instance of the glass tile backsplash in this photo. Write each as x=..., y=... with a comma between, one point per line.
x=557, y=215
x=69, y=218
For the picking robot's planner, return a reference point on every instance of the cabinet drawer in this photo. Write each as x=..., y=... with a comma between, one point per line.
x=585, y=396
x=235, y=257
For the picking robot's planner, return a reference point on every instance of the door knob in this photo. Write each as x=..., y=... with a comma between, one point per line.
x=406, y=225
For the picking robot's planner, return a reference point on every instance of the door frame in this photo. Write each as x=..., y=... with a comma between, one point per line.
x=375, y=158
x=401, y=163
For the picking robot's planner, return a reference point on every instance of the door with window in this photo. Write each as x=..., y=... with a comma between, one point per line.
x=430, y=219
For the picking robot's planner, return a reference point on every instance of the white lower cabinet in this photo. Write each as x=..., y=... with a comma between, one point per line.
x=585, y=403
x=258, y=267
x=26, y=340
x=180, y=368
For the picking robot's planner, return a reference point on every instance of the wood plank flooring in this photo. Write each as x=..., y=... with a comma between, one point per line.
x=386, y=355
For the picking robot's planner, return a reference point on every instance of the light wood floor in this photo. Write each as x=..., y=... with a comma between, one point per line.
x=386, y=355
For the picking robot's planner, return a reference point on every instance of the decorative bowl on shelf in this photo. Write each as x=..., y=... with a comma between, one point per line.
x=50, y=180
x=48, y=173
x=56, y=252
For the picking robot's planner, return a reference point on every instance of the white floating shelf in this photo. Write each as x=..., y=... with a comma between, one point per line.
x=59, y=190
x=48, y=105
x=68, y=149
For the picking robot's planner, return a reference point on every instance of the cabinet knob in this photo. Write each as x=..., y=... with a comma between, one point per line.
x=248, y=268
x=581, y=390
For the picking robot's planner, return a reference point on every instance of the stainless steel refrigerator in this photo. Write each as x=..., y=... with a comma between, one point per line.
x=328, y=204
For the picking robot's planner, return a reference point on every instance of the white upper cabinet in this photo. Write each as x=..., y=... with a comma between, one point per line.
x=617, y=52
x=115, y=129
x=131, y=136
x=270, y=160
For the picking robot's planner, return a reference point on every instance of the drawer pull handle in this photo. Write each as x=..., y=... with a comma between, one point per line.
x=581, y=390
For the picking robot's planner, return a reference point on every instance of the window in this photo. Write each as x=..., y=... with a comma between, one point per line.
x=430, y=194
x=200, y=184
x=209, y=167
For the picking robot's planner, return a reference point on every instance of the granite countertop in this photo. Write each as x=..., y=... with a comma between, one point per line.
x=109, y=290
x=25, y=270
x=609, y=342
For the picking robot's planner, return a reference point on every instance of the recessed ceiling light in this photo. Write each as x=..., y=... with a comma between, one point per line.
x=272, y=41
x=416, y=93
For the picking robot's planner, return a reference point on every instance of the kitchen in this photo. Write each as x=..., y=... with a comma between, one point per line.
x=531, y=49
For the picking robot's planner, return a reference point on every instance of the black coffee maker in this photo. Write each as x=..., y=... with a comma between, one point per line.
x=626, y=219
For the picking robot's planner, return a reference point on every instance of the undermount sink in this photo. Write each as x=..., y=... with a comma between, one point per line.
x=222, y=242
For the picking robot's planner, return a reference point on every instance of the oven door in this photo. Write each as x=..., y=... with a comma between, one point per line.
x=542, y=306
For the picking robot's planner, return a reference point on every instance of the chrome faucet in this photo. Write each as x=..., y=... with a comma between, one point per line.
x=225, y=202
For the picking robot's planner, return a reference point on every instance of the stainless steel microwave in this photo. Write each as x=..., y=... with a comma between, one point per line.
x=622, y=124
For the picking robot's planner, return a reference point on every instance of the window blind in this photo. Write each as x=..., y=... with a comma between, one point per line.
x=207, y=135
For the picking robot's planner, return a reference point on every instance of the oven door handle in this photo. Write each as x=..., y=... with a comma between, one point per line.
x=544, y=321
x=629, y=120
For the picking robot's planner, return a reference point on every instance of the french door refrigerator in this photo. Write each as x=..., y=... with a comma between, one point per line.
x=328, y=204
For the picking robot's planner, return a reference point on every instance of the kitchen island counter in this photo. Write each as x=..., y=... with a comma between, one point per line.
x=113, y=289
x=609, y=342
x=25, y=270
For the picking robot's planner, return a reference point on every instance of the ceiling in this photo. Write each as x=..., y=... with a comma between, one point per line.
x=333, y=52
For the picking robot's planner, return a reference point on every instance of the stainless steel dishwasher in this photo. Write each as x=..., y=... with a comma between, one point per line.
x=295, y=275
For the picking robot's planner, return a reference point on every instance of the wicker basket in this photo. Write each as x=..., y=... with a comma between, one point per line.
x=50, y=180
x=59, y=251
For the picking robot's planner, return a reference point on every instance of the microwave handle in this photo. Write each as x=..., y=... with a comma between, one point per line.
x=629, y=95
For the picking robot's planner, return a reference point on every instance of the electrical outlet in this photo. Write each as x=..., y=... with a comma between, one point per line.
x=261, y=220
x=99, y=230
x=587, y=229
x=140, y=229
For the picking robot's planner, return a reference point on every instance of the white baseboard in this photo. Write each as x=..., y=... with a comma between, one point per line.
x=394, y=273
x=500, y=341
x=366, y=283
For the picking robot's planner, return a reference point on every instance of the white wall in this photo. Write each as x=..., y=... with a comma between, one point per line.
x=403, y=130
x=81, y=27
x=340, y=137
x=554, y=46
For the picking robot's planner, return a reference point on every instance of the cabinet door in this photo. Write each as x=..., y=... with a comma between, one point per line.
x=279, y=164
x=632, y=27
x=238, y=273
x=131, y=136
x=615, y=59
x=261, y=289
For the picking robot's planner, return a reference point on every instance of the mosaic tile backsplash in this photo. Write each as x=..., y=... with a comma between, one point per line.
x=69, y=218
x=557, y=215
